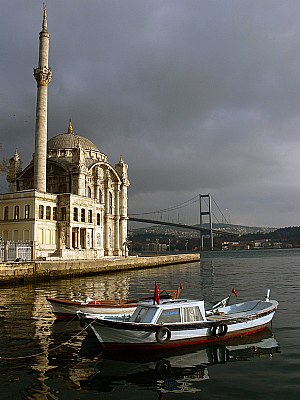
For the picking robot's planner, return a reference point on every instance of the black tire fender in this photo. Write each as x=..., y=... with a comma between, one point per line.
x=163, y=334
x=219, y=329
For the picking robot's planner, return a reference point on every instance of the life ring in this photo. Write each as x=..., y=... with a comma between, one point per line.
x=219, y=329
x=163, y=334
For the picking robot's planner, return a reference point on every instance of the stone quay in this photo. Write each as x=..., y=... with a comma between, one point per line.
x=33, y=271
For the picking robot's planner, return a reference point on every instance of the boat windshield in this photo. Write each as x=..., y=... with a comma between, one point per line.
x=169, y=315
x=141, y=314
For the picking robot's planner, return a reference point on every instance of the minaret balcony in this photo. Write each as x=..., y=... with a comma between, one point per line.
x=42, y=75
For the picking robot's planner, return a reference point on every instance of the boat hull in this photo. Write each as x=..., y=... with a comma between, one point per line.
x=122, y=335
x=67, y=310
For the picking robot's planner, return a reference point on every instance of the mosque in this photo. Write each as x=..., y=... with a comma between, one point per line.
x=69, y=202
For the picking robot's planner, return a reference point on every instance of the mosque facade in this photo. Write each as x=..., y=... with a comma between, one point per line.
x=69, y=202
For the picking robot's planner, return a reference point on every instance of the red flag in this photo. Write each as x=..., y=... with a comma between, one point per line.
x=180, y=286
x=156, y=294
x=234, y=292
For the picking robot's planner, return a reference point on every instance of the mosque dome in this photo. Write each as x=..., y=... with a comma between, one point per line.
x=70, y=140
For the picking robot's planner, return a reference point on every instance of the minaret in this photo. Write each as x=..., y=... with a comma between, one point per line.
x=43, y=76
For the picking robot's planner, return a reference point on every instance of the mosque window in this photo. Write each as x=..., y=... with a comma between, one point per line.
x=27, y=211
x=55, y=213
x=6, y=213
x=82, y=215
x=89, y=192
x=63, y=214
x=98, y=219
x=48, y=212
x=100, y=196
x=90, y=216
x=75, y=214
x=41, y=212
x=16, y=212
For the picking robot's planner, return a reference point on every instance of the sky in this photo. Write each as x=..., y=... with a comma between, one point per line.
x=199, y=96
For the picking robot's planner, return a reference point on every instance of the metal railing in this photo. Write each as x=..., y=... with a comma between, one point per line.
x=15, y=251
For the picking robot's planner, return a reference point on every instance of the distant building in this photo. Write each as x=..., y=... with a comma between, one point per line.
x=235, y=246
x=69, y=201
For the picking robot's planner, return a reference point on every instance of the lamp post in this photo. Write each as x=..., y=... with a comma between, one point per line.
x=186, y=245
x=169, y=245
x=126, y=245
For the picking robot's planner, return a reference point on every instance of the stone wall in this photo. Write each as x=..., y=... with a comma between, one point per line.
x=19, y=273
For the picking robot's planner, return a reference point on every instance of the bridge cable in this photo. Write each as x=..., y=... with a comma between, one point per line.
x=182, y=205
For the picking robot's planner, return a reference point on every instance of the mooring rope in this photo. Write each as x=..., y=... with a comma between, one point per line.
x=49, y=351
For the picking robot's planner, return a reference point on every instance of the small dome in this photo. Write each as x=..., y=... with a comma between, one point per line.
x=70, y=141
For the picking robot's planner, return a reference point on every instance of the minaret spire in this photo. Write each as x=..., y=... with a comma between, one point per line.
x=42, y=76
x=44, y=25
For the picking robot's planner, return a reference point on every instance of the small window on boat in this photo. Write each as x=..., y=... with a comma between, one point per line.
x=191, y=314
x=170, y=315
x=141, y=314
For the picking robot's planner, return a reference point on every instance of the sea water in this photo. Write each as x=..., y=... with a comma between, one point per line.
x=45, y=359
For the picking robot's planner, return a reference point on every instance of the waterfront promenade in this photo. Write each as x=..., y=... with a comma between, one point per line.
x=26, y=272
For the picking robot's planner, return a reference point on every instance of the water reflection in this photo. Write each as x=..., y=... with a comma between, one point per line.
x=180, y=371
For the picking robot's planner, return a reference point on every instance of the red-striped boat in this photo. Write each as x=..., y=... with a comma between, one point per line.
x=65, y=309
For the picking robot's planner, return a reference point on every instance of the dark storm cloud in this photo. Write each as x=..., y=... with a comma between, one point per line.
x=198, y=96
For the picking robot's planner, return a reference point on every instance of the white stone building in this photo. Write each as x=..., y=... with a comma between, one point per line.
x=69, y=201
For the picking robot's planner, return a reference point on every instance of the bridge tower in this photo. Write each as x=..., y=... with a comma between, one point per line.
x=205, y=214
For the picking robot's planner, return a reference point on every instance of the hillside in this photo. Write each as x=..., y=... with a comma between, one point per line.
x=235, y=229
x=289, y=235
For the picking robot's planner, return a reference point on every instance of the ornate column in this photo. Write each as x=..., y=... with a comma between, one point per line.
x=123, y=214
x=122, y=170
x=117, y=220
x=106, y=220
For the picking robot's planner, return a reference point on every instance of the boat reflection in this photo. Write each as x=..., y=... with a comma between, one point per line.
x=180, y=371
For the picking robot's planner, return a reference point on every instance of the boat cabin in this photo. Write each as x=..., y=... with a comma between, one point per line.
x=170, y=311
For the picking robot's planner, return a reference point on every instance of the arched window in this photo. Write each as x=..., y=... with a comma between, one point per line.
x=100, y=196
x=89, y=192
x=75, y=216
x=41, y=212
x=6, y=213
x=82, y=215
x=17, y=212
x=27, y=211
x=48, y=212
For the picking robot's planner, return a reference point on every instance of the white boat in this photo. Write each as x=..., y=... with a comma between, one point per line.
x=181, y=322
x=65, y=309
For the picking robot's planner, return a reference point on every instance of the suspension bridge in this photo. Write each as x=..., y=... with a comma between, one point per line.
x=200, y=213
